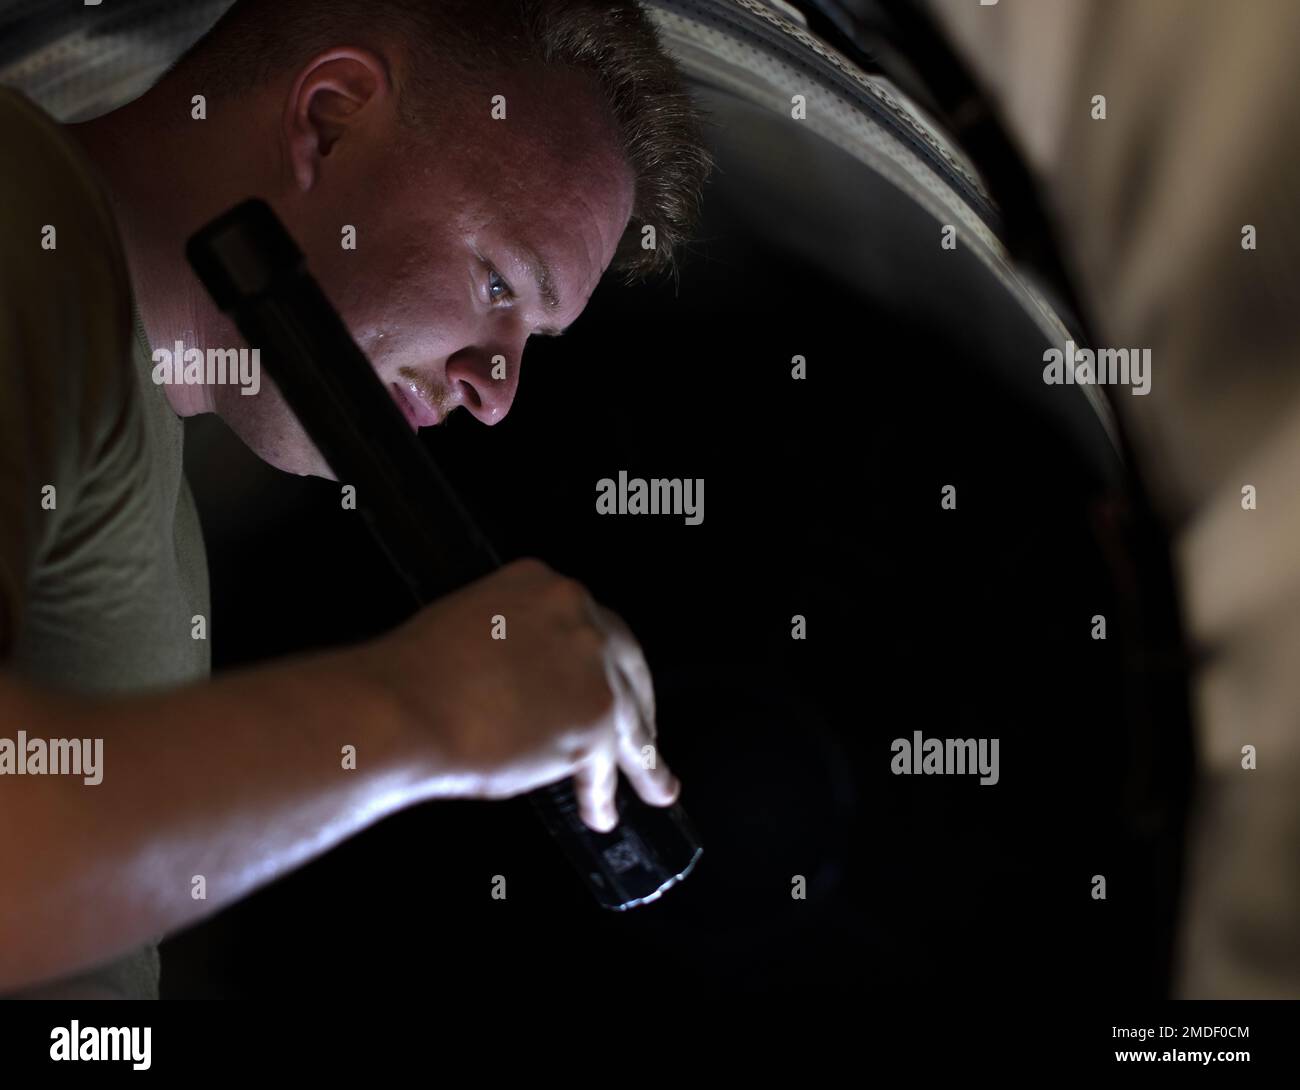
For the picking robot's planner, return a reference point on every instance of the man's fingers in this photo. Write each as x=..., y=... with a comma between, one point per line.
x=630, y=659
x=594, y=784
x=638, y=754
x=654, y=782
x=629, y=677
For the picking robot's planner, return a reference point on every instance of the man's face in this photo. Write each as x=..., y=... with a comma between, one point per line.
x=465, y=246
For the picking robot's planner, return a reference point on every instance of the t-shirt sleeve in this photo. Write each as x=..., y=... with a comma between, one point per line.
x=65, y=329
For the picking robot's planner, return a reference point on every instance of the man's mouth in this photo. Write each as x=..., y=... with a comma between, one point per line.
x=418, y=414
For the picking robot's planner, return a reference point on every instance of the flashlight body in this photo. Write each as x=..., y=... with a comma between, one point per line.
x=256, y=274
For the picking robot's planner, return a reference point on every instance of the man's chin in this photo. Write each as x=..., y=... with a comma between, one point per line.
x=308, y=463
x=273, y=434
x=300, y=457
x=268, y=428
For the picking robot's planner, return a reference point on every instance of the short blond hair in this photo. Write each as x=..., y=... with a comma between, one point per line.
x=659, y=128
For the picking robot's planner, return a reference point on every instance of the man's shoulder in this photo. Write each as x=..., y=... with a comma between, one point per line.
x=66, y=323
x=51, y=196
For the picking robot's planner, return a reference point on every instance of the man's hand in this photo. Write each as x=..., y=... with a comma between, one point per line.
x=567, y=692
x=240, y=779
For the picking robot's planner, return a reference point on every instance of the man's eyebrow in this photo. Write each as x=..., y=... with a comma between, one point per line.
x=545, y=281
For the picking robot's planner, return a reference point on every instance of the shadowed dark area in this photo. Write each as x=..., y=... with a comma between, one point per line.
x=822, y=498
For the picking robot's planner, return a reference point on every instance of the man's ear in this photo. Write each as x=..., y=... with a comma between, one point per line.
x=334, y=92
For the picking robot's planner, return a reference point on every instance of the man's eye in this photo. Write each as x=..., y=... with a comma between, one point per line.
x=495, y=282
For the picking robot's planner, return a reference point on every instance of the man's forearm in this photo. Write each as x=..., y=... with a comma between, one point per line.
x=217, y=788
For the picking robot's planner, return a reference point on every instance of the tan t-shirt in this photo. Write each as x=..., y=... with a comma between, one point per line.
x=102, y=567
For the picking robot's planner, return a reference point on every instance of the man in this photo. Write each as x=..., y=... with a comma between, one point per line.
x=491, y=161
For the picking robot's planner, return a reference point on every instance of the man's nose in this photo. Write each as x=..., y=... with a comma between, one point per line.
x=486, y=383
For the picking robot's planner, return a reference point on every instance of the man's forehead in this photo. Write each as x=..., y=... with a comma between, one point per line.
x=558, y=231
x=556, y=120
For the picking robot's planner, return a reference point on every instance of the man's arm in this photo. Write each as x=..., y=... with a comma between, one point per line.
x=236, y=782
x=243, y=779
x=240, y=780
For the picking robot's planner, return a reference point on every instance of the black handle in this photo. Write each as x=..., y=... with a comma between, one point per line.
x=255, y=273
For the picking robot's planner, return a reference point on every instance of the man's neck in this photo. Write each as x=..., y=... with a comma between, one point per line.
x=159, y=179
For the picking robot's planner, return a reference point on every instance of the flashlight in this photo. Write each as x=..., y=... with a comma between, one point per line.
x=256, y=274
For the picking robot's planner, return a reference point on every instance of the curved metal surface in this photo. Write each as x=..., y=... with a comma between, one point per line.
x=747, y=62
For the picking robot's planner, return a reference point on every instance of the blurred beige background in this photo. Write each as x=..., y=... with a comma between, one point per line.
x=1201, y=137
